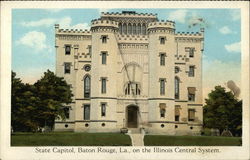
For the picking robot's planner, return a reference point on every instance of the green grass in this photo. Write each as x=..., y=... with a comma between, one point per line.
x=70, y=139
x=161, y=140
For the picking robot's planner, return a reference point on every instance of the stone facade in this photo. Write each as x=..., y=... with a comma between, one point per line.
x=131, y=70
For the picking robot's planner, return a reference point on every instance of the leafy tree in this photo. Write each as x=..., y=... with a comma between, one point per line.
x=23, y=106
x=222, y=111
x=38, y=105
x=54, y=94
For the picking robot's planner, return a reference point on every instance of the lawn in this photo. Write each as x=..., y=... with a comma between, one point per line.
x=161, y=140
x=70, y=139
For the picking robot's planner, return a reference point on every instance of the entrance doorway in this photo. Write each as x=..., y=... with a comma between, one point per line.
x=132, y=116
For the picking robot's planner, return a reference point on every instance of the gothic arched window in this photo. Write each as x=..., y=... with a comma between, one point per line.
x=124, y=28
x=129, y=28
x=144, y=29
x=134, y=28
x=120, y=28
x=177, y=87
x=132, y=88
x=138, y=29
x=87, y=87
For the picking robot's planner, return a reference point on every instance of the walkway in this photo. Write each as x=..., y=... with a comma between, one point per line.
x=136, y=137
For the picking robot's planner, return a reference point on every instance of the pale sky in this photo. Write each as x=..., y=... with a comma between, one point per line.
x=33, y=39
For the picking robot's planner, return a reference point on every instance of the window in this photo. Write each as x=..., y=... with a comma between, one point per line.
x=162, y=86
x=86, y=112
x=129, y=28
x=87, y=87
x=134, y=28
x=138, y=29
x=162, y=109
x=176, y=70
x=67, y=49
x=67, y=68
x=66, y=112
x=191, y=52
x=191, y=114
x=103, y=109
x=103, y=87
x=177, y=87
x=104, y=39
x=89, y=49
x=87, y=68
x=162, y=59
x=143, y=29
x=124, y=28
x=120, y=28
x=162, y=40
x=132, y=88
x=177, y=113
x=191, y=93
x=162, y=113
x=104, y=57
x=191, y=71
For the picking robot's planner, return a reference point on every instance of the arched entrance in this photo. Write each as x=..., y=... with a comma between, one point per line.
x=132, y=116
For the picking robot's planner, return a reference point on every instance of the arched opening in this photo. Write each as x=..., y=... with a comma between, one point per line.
x=144, y=29
x=124, y=28
x=120, y=28
x=87, y=86
x=129, y=28
x=132, y=116
x=139, y=28
x=134, y=29
x=177, y=87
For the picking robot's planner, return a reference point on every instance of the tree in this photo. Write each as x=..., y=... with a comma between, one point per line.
x=23, y=106
x=222, y=111
x=54, y=94
x=38, y=105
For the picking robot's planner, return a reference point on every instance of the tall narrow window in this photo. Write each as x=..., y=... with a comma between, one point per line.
x=124, y=28
x=89, y=49
x=138, y=28
x=162, y=59
x=103, y=87
x=104, y=57
x=162, y=109
x=86, y=112
x=177, y=113
x=134, y=29
x=177, y=88
x=191, y=93
x=162, y=40
x=66, y=112
x=67, y=49
x=191, y=71
x=104, y=39
x=129, y=28
x=144, y=29
x=103, y=109
x=191, y=114
x=67, y=68
x=87, y=87
x=162, y=86
x=120, y=28
x=191, y=52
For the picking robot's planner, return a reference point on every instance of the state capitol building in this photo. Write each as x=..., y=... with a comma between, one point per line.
x=131, y=70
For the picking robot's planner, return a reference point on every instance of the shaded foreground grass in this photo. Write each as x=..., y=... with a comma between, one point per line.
x=70, y=139
x=161, y=140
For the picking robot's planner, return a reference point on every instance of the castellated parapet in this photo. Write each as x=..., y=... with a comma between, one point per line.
x=101, y=25
x=128, y=15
